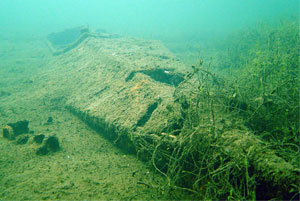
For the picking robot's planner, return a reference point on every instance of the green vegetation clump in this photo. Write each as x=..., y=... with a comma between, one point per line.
x=264, y=73
x=240, y=135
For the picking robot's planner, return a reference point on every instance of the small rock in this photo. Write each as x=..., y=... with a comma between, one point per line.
x=42, y=151
x=22, y=139
x=50, y=120
x=39, y=138
x=8, y=132
x=19, y=127
x=50, y=145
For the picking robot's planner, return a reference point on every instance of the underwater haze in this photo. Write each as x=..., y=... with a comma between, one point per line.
x=149, y=100
x=143, y=18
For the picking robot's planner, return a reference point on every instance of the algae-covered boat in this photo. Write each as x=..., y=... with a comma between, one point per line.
x=127, y=89
x=120, y=86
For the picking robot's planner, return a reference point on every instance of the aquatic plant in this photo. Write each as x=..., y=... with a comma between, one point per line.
x=239, y=137
x=267, y=82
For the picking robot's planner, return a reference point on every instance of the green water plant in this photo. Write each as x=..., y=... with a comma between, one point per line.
x=239, y=139
x=266, y=81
